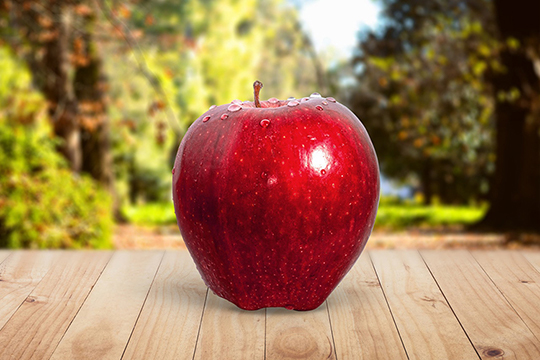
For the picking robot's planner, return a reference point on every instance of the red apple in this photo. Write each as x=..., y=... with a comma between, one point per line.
x=276, y=199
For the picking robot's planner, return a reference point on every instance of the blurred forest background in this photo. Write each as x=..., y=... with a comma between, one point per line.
x=95, y=96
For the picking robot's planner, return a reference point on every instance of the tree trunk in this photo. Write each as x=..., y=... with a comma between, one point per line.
x=515, y=189
x=48, y=61
x=95, y=142
x=90, y=85
x=427, y=183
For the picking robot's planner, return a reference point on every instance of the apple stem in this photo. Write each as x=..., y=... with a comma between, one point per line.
x=257, y=85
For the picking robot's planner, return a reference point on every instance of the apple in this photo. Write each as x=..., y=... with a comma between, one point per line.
x=276, y=199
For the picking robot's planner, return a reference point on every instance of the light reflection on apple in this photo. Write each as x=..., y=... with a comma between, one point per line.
x=319, y=159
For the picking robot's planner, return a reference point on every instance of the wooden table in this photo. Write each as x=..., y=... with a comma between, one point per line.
x=394, y=304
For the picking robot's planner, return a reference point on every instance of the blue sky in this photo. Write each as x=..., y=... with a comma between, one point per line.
x=333, y=25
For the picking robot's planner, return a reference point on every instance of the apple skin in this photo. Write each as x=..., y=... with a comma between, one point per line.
x=276, y=215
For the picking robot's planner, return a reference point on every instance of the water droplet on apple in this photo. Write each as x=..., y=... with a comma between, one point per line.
x=234, y=107
x=291, y=98
x=331, y=99
x=323, y=172
x=324, y=103
x=224, y=116
x=319, y=107
x=272, y=180
x=273, y=100
x=264, y=175
x=264, y=123
x=212, y=107
x=293, y=103
x=315, y=94
x=305, y=99
x=236, y=102
x=206, y=118
x=173, y=170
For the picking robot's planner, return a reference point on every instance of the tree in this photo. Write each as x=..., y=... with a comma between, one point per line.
x=422, y=96
x=55, y=38
x=202, y=53
x=166, y=62
x=42, y=203
x=515, y=189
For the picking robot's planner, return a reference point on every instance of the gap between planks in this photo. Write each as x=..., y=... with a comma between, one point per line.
x=518, y=281
x=171, y=316
x=4, y=254
x=106, y=320
x=490, y=321
x=426, y=324
x=37, y=325
x=361, y=319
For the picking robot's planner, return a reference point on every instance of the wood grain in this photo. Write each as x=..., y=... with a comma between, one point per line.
x=38, y=325
x=426, y=323
x=19, y=275
x=493, y=326
x=169, y=323
x=102, y=327
x=533, y=257
x=228, y=332
x=361, y=321
x=143, y=305
x=299, y=335
x=519, y=282
x=4, y=254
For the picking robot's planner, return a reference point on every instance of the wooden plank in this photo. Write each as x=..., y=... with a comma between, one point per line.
x=36, y=328
x=427, y=326
x=518, y=280
x=493, y=326
x=533, y=257
x=102, y=327
x=170, y=320
x=299, y=334
x=228, y=332
x=19, y=275
x=361, y=320
x=4, y=254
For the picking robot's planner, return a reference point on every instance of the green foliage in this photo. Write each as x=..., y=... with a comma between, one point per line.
x=393, y=214
x=396, y=217
x=201, y=53
x=164, y=63
x=42, y=204
x=423, y=97
x=151, y=214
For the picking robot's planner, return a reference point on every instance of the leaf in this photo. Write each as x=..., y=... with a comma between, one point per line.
x=479, y=67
